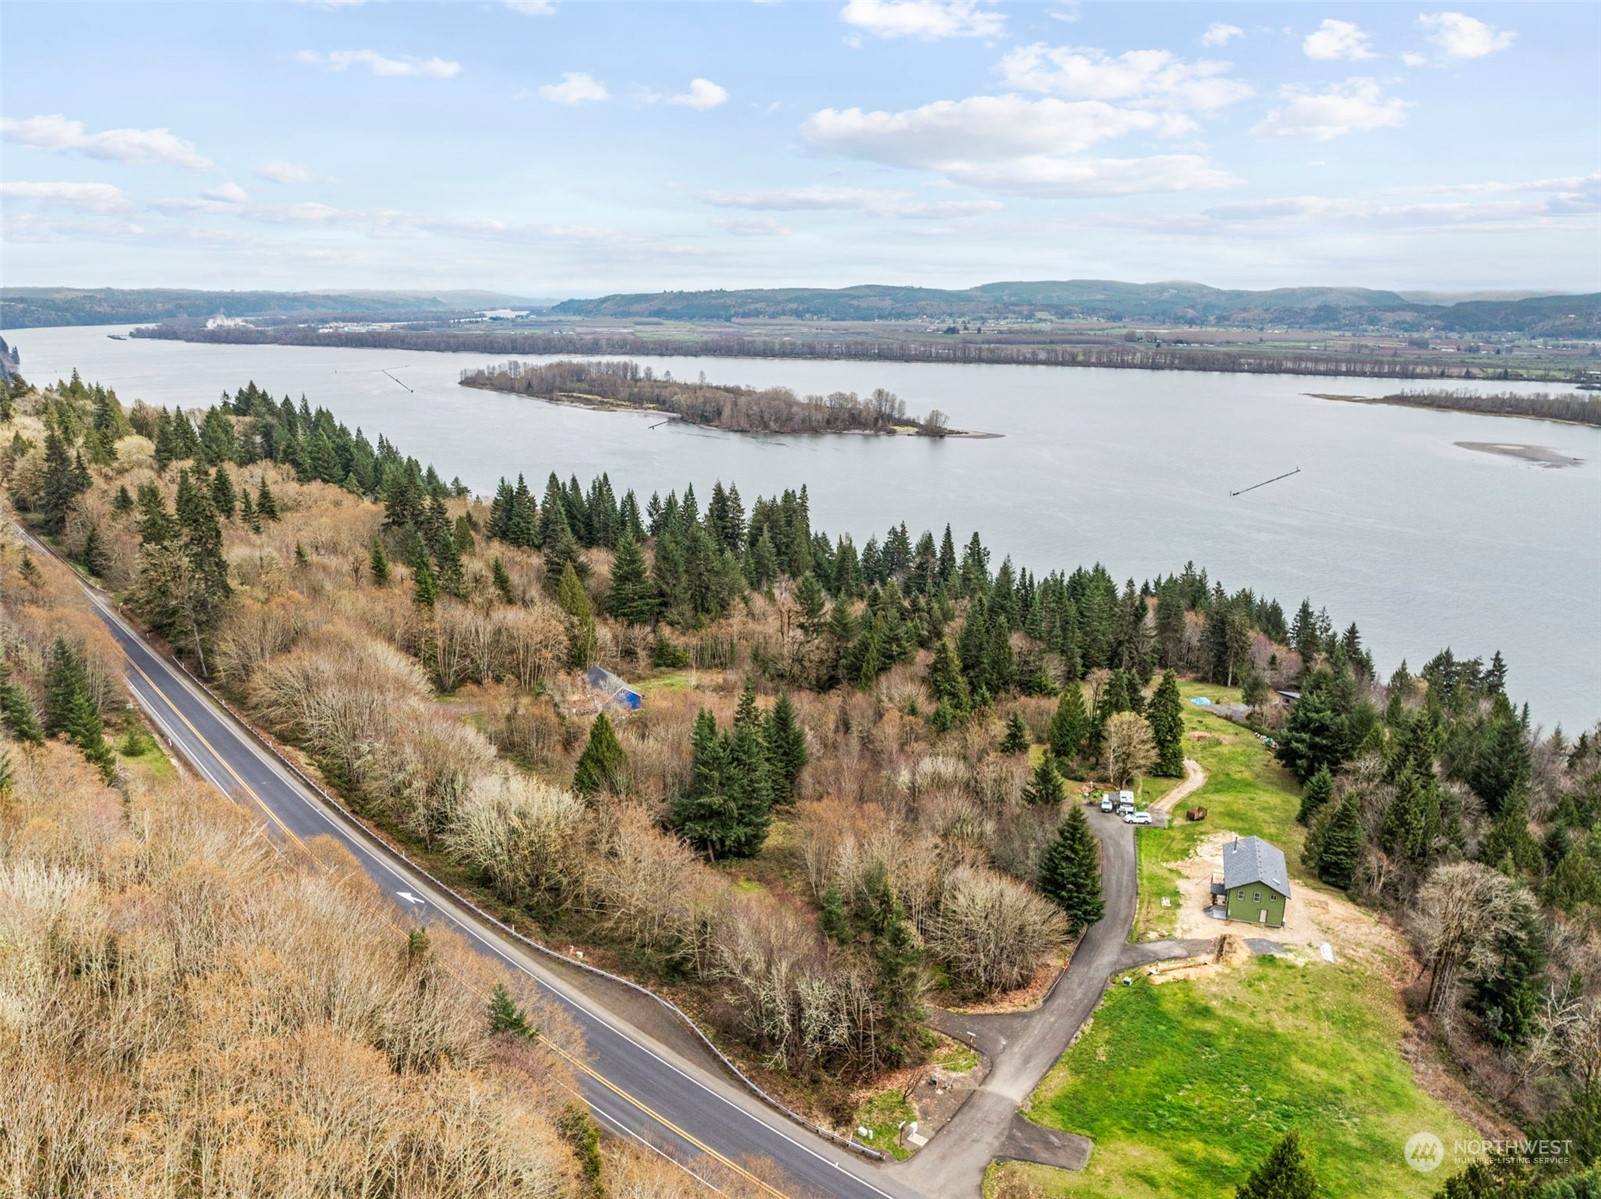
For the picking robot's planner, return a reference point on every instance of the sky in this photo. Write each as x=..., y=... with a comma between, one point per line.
x=556, y=148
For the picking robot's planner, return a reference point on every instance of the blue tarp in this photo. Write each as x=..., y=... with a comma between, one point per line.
x=1200, y=701
x=614, y=688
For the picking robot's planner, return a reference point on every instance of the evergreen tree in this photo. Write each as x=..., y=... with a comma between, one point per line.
x=506, y=1016
x=122, y=503
x=223, y=497
x=424, y=590
x=1070, y=870
x=832, y=920
x=1069, y=725
x=572, y=599
x=64, y=679
x=603, y=766
x=377, y=562
x=65, y=479
x=709, y=814
x=1315, y=795
x=502, y=581
x=945, y=678
x=786, y=747
x=1335, y=843
x=1284, y=1175
x=578, y=1129
x=1045, y=788
x=248, y=515
x=633, y=598
x=83, y=729
x=266, y=502
x=1166, y=715
x=1016, y=740
x=1317, y=733
x=16, y=710
x=94, y=552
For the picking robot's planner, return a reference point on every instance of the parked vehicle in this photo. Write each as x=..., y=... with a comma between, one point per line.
x=1125, y=806
x=1106, y=803
x=1137, y=818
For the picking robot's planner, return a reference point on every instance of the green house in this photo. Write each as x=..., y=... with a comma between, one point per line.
x=1256, y=882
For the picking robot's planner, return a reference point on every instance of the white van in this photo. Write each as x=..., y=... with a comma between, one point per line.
x=1106, y=801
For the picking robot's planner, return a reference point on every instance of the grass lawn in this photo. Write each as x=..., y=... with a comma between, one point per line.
x=1185, y=1086
x=883, y=1115
x=1246, y=792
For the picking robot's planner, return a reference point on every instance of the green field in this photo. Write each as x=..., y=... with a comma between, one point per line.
x=1246, y=792
x=1186, y=1085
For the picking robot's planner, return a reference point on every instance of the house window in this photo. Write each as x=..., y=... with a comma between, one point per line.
x=1257, y=898
x=1242, y=892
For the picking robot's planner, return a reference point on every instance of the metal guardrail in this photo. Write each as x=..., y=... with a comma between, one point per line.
x=378, y=843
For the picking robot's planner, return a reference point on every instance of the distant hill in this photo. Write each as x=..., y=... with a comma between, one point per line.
x=1176, y=303
x=38, y=307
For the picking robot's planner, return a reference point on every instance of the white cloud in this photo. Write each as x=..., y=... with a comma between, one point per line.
x=1219, y=34
x=532, y=8
x=575, y=88
x=849, y=199
x=278, y=170
x=1147, y=77
x=1458, y=35
x=758, y=226
x=975, y=129
x=61, y=135
x=926, y=20
x=381, y=65
x=84, y=197
x=1010, y=143
x=1412, y=59
x=1045, y=175
x=702, y=94
x=1356, y=106
x=228, y=193
x=1336, y=40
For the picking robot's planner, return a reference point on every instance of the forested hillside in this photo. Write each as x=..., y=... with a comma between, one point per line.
x=843, y=795
x=189, y=1010
x=1178, y=303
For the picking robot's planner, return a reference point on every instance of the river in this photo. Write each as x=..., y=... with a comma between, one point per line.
x=1390, y=523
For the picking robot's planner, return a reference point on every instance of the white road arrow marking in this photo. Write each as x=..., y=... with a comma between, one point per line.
x=410, y=898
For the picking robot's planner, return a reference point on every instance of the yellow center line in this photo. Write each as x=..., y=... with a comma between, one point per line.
x=557, y=1049
x=663, y=1120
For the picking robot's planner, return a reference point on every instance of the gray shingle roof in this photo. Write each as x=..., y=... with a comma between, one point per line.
x=1252, y=860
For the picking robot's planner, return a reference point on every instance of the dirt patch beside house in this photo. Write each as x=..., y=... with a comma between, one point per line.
x=1312, y=917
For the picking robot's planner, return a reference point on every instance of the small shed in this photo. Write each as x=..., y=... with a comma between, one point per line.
x=613, y=689
x=1256, y=881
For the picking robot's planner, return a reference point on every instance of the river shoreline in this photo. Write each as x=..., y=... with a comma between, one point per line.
x=601, y=404
x=1401, y=401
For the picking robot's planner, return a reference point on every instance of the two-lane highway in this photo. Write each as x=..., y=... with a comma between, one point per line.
x=634, y=1084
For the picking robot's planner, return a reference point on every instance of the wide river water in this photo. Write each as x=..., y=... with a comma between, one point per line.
x=1390, y=523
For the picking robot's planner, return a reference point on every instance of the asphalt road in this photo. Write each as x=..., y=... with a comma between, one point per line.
x=636, y=1086
x=1023, y=1046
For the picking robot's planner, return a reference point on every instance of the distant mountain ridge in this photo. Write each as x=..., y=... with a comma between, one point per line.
x=1178, y=303
x=39, y=307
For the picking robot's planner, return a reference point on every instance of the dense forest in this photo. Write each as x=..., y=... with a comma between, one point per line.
x=1349, y=309
x=880, y=737
x=1574, y=408
x=38, y=307
x=720, y=406
x=859, y=343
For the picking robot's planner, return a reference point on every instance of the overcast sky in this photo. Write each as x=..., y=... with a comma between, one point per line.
x=549, y=148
